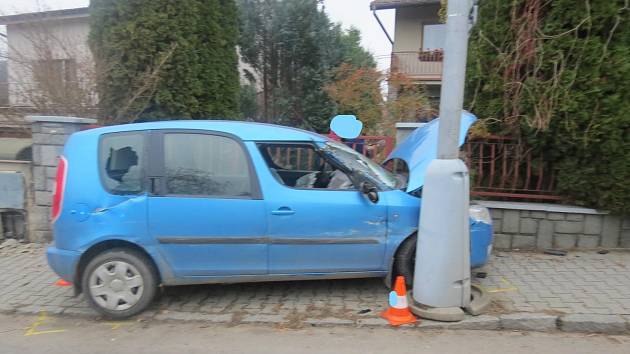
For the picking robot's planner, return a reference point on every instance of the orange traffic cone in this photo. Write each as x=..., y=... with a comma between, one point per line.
x=62, y=282
x=398, y=311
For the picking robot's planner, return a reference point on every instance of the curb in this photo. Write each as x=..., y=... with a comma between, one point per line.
x=538, y=322
x=612, y=324
x=526, y=321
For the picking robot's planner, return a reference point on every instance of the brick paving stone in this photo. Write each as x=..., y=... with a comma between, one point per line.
x=581, y=283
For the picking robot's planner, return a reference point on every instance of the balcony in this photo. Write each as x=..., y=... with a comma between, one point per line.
x=426, y=66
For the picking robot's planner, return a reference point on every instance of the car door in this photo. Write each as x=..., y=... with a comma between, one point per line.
x=205, y=208
x=316, y=227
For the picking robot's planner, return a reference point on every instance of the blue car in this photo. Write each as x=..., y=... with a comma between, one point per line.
x=196, y=202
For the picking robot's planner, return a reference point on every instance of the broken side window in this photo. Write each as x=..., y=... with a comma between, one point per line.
x=121, y=162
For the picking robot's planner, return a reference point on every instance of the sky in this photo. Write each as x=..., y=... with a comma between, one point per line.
x=355, y=13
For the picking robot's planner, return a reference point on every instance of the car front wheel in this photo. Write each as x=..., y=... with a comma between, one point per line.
x=405, y=262
x=119, y=283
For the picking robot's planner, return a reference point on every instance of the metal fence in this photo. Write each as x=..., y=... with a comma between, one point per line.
x=501, y=168
x=375, y=147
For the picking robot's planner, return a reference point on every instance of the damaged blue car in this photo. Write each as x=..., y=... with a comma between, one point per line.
x=194, y=202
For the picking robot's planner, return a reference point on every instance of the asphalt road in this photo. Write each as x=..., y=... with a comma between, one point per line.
x=52, y=335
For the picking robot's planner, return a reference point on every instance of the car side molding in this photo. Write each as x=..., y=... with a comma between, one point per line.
x=266, y=240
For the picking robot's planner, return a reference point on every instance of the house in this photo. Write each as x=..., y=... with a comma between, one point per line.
x=48, y=55
x=15, y=138
x=418, y=42
x=48, y=65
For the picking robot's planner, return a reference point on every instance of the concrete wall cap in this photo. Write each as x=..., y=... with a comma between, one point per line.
x=60, y=119
x=409, y=125
x=553, y=208
x=19, y=162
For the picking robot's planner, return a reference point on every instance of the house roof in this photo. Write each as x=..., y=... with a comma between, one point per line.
x=392, y=4
x=45, y=16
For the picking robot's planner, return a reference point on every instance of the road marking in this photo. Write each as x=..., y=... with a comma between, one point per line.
x=117, y=325
x=32, y=330
x=509, y=287
x=501, y=290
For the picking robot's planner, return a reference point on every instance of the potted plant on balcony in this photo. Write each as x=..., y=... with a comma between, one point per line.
x=431, y=55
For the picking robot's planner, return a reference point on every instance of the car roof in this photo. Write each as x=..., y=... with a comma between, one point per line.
x=248, y=131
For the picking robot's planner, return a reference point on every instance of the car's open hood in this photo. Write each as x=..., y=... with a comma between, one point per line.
x=420, y=148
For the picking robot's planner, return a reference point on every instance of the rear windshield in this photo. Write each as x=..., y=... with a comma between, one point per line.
x=121, y=161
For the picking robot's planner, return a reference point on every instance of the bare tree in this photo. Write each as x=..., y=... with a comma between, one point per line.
x=144, y=86
x=52, y=71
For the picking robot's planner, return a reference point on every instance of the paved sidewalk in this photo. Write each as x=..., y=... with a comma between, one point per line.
x=579, y=283
x=579, y=292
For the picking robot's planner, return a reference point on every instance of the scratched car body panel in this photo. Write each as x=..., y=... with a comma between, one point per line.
x=218, y=201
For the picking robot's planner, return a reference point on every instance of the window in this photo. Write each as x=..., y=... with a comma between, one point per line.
x=121, y=162
x=300, y=166
x=203, y=164
x=55, y=73
x=433, y=37
x=4, y=83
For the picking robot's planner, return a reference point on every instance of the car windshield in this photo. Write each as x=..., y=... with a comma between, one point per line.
x=360, y=163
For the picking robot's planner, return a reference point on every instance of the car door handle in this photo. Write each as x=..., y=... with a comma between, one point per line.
x=283, y=211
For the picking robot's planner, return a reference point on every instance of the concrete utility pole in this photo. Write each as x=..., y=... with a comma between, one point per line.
x=442, y=274
x=453, y=78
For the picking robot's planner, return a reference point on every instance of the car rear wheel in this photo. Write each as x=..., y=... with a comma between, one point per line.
x=405, y=261
x=119, y=283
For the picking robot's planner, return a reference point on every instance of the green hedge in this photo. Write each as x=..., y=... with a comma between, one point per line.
x=165, y=59
x=556, y=75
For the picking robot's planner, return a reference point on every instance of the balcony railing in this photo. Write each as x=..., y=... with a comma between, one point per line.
x=419, y=65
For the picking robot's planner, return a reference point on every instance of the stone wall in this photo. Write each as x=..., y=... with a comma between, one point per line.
x=530, y=226
x=49, y=136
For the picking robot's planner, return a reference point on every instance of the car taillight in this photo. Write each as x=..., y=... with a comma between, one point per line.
x=60, y=185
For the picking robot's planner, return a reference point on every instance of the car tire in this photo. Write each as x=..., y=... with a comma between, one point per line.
x=119, y=283
x=405, y=261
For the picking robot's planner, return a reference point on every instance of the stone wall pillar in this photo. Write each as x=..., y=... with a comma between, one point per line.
x=404, y=129
x=49, y=135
